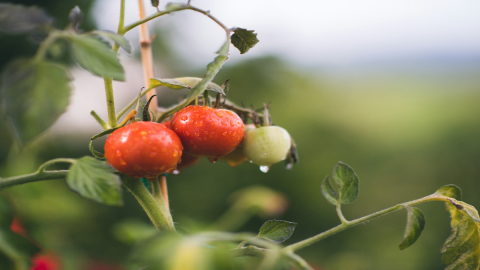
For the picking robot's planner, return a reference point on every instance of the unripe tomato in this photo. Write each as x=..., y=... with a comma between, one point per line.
x=143, y=149
x=268, y=145
x=206, y=131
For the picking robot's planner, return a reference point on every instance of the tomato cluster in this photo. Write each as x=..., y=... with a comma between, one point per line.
x=148, y=149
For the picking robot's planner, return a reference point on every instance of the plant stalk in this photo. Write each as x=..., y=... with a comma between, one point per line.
x=33, y=177
x=348, y=224
x=155, y=209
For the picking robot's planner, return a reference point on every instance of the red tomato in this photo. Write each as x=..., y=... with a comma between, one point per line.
x=143, y=149
x=209, y=132
x=46, y=262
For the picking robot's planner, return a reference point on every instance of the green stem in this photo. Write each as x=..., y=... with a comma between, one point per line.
x=39, y=175
x=179, y=8
x=155, y=209
x=340, y=214
x=349, y=224
x=298, y=262
x=45, y=45
x=121, y=21
x=112, y=119
x=33, y=177
x=99, y=119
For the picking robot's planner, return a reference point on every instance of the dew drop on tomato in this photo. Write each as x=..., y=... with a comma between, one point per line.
x=264, y=169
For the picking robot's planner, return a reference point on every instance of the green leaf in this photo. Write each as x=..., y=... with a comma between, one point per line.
x=277, y=231
x=118, y=39
x=184, y=82
x=34, y=95
x=328, y=192
x=17, y=249
x=96, y=57
x=346, y=181
x=451, y=191
x=6, y=213
x=95, y=180
x=244, y=39
x=461, y=250
x=19, y=19
x=414, y=228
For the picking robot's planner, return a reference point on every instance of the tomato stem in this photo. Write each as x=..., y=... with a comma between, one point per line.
x=156, y=209
x=348, y=224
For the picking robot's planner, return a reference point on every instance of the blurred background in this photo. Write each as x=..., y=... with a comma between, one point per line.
x=390, y=88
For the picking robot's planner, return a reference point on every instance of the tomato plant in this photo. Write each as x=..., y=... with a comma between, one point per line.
x=35, y=92
x=206, y=131
x=143, y=149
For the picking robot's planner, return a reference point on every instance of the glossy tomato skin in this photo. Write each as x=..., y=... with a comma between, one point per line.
x=143, y=149
x=206, y=131
x=265, y=146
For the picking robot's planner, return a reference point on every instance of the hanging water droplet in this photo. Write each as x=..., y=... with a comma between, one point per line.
x=289, y=166
x=176, y=172
x=264, y=169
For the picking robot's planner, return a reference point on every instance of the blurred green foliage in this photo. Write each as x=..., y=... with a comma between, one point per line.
x=405, y=134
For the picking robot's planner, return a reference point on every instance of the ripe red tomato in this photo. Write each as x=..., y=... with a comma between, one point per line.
x=143, y=149
x=206, y=131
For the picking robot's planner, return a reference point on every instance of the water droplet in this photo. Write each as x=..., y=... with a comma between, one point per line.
x=214, y=160
x=263, y=155
x=175, y=154
x=184, y=118
x=264, y=169
x=224, y=123
x=224, y=133
x=199, y=123
x=176, y=172
x=289, y=166
x=219, y=114
x=187, y=133
x=229, y=112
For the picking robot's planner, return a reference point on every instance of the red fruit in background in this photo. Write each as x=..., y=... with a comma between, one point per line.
x=17, y=227
x=206, y=131
x=45, y=262
x=143, y=149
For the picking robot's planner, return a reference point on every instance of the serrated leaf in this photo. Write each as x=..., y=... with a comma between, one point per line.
x=184, y=82
x=17, y=249
x=244, y=39
x=414, y=228
x=95, y=180
x=19, y=19
x=34, y=95
x=96, y=57
x=6, y=213
x=461, y=250
x=451, y=191
x=277, y=231
x=347, y=183
x=118, y=39
x=328, y=192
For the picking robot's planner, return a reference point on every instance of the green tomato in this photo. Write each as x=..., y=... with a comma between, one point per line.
x=265, y=146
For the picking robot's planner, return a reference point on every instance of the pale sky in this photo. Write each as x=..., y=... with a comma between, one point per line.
x=323, y=33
